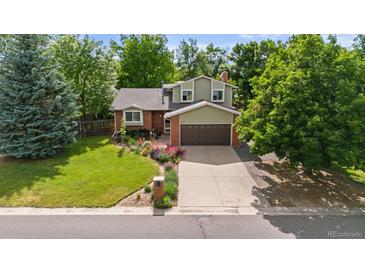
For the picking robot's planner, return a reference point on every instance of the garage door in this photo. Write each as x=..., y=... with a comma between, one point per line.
x=202, y=135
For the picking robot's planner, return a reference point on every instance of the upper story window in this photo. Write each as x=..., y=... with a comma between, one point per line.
x=217, y=95
x=133, y=117
x=186, y=95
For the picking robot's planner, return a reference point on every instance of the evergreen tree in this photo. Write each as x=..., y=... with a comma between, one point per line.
x=36, y=106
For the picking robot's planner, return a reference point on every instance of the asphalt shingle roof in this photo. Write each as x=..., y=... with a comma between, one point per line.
x=143, y=98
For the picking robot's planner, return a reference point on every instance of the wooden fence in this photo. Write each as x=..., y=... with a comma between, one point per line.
x=94, y=128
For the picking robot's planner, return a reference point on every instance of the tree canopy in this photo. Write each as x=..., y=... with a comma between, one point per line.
x=36, y=105
x=248, y=60
x=189, y=60
x=308, y=105
x=192, y=61
x=359, y=43
x=144, y=61
x=90, y=69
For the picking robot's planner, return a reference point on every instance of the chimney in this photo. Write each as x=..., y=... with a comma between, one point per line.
x=224, y=76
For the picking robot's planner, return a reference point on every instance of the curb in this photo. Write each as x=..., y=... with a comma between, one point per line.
x=178, y=211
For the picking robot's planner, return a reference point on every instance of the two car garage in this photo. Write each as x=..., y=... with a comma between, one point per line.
x=203, y=124
x=206, y=134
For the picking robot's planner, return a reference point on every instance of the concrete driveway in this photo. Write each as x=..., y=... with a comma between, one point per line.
x=214, y=176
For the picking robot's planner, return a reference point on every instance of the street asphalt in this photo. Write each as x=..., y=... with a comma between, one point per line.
x=181, y=227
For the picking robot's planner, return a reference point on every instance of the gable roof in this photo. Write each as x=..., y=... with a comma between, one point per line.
x=141, y=98
x=202, y=76
x=199, y=105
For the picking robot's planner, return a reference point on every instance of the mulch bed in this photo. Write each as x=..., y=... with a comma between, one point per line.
x=142, y=199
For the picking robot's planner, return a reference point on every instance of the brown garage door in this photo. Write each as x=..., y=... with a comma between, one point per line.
x=218, y=135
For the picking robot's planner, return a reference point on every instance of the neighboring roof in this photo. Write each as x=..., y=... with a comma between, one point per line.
x=203, y=76
x=199, y=105
x=141, y=98
x=168, y=85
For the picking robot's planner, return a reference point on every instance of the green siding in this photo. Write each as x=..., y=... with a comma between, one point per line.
x=206, y=115
x=202, y=91
x=217, y=84
x=187, y=85
x=228, y=96
x=176, y=94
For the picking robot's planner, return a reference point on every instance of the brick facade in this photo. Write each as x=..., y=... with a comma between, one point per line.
x=158, y=120
x=147, y=121
x=175, y=131
x=117, y=120
x=235, y=139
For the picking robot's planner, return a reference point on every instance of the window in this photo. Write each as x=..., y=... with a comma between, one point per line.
x=186, y=95
x=217, y=95
x=133, y=117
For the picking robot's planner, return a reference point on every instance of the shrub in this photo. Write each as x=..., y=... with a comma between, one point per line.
x=132, y=141
x=121, y=151
x=146, y=151
x=168, y=168
x=171, y=190
x=155, y=153
x=123, y=130
x=171, y=181
x=165, y=202
x=140, y=142
x=146, y=144
x=163, y=157
x=175, y=151
x=147, y=189
x=137, y=150
x=171, y=177
x=176, y=160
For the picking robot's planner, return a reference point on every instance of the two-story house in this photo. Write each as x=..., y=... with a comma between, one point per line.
x=194, y=112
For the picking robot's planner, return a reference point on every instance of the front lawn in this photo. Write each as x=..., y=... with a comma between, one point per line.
x=357, y=176
x=90, y=173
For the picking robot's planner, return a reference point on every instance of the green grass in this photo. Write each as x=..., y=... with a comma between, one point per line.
x=90, y=173
x=357, y=176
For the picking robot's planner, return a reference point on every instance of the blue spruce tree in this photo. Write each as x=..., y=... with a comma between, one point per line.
x=36, y=106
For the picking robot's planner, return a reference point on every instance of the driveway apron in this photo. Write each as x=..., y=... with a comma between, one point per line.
x=214, y=176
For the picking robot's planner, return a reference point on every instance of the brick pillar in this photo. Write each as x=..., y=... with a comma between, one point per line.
x=235, y=139
x=175, y=131
x=158, y=187
x=117, y=120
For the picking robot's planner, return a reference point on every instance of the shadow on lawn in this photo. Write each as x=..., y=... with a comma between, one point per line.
x=19, y=174
x=283, y=186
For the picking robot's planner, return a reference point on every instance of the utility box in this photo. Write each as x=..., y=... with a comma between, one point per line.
x=158, y=187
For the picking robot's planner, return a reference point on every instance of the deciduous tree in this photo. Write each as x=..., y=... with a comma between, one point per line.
x=144, y=61
x=248, y=61
x=309, y=105
x=90, y=69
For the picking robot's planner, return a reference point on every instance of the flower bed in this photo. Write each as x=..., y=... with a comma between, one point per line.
x=168, y=157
